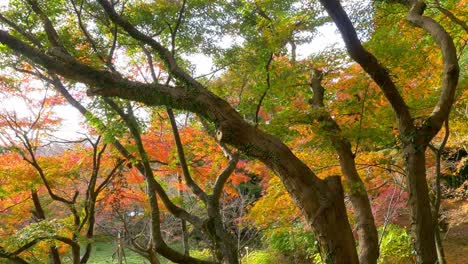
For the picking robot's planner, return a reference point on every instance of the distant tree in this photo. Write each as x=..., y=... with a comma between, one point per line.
x=58, y=182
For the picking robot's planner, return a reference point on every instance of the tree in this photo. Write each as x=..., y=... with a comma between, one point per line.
x=49, y=167
x=182, y=26
x=321, y=200
x=415, y=138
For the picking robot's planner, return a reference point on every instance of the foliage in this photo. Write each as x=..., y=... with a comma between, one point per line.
x=274, y=207
x=395, y=246
x=297, y=244
x=204, y=254
x=104, y=253
x=258, y=70
x=43, y=229
x=262, y=257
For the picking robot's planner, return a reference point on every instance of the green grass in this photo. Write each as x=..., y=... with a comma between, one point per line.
x=104, y=251
x=103, y=254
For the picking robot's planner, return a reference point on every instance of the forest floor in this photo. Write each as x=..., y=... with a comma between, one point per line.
x=456, y=238
x=105, y=253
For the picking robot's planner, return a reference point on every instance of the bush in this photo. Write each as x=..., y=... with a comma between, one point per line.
x=204, y=254
x=294, y=243
x=396, y=245
x=262, y=257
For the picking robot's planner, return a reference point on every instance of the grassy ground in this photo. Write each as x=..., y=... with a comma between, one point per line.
x=105, y=252
x=455, y=243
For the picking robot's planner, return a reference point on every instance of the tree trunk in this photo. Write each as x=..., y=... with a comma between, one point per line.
x=224, y=243
x=421, y=216
x=310, y=193
x=439, y=247
x=333, y=230
x=89, y=233
x=437, y=193
x=183, y=223
x=367, y=232
x=54, y=255
x=76, y=254
x=224, y=247
x=153, y=258
x=185, y=237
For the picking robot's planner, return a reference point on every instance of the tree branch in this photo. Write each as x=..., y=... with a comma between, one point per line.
x=223, y=177
x=162, y=51
x=177, y=211
x=451, y=68
x=49, y=29
x=268, y=83
x=450, y=15
x=101, y=82
x=183, y=162
x=18, y=29
x=369, y=62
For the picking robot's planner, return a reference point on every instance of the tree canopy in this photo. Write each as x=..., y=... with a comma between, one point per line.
x=271, y=138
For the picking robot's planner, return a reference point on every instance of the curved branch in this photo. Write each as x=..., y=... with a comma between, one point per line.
x=33, y=162
x=111, y=174
x=369, y=63
x=101, y=82
x=451, y=68
x=268, y=83
x=180, y=16
x=33, y=242
x=153, y=188
x=183, y=162
x=223, y=177
x=88, y=35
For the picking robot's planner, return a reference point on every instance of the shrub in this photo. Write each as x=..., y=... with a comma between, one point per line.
x=396, y=245
x=266, y=256
x=296, y=244
x=204, y=254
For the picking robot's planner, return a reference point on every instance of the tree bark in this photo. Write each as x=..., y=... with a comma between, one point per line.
x=336, y=246
x=40, y=214
x=439, y=247
x=224, y=243
x=421, y=217
x=437, y=194
x=153, y=258
x=367, y=231
x=183, y=223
